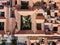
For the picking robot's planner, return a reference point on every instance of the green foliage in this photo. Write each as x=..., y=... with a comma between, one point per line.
x=3, y=42
x=13, y=42
x=27, y=24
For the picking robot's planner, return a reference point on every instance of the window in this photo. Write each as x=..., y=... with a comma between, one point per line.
x=39, y=27
x=1, y=25
x=8, y=3
x=1, y=6
x=37, y=43
x=55, y=5
x=15, y=2
x=51, y=21
x=55, y=14
x=4, y=3
x=51, y=6
x=55, y=29
x=48, y=12
x=24, y=4
x=26, y=22
x=54, y=43
x=44, y=6
x=2, y=14
x=32, y=43
x=46, y=27
x=49, y=42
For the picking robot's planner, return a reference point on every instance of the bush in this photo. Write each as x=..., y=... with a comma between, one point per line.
x=3, y=42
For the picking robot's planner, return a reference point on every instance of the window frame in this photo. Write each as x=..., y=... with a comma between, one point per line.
x=22, y=25
x=2, y=28
x=39, y=27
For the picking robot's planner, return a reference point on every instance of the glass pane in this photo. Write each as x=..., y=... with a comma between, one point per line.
x=2, y=14
x=1, y=6
x=32, y=43
x=55, y=29
x=26, y=22
x=24, y=4
x=38, y=26
x=1, y=25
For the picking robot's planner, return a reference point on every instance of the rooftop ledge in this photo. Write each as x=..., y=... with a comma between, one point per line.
x=32, y=35
x=35, y=35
